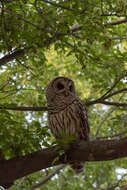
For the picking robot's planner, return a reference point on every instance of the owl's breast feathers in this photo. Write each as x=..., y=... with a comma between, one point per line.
x=69, y=121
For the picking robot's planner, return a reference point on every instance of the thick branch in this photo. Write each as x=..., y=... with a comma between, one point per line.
x=98, y=150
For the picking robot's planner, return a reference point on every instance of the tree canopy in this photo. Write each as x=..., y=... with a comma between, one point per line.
x=81, y=39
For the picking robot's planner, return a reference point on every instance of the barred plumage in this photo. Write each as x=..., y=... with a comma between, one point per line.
x=67, y=114
x=68, y=121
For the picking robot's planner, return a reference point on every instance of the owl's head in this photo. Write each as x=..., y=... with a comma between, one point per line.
x=60, y=90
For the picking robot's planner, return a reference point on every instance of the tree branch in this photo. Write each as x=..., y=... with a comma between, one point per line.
x=97, y=150
x=116, y=22
x=103, y=121
x=113, y=103
x=18, y=53
x=8, y=1
x=22, y=108
x=115, y=93
x=119, y=38
x=118, y=184
x=113, y=86
x=100, y=100
x=108, y=94
x=112, y=14
x=57, y=5
x=5, y=59
x=9, y=11
x=47, y=178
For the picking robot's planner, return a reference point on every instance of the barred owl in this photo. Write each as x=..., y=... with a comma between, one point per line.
x=67, y=115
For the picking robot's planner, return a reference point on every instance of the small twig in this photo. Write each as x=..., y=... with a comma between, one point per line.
x=119, y=38
x=123, y=121
x=108, y=95
x=8, y=95
x=112, y=87
x=109, y=14
x=116, y=13
x=76, y=28
x=112, y=136
x=108, y=114
x=3, y=25
x=116, y=22
x=115, y=93
x=21, y=18
x=48, y=177
x=98, y=101
x=102, y=98
x=21, y=182
x=103, y=121
x=4, y=85
x=26, y=67
x=40, y=12
x=117, y=184
x=57, y=5
x=8, y=1
x=113, y=103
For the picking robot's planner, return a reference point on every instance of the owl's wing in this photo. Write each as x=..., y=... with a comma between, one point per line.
x=82, y=114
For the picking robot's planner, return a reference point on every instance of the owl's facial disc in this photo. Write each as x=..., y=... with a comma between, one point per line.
x=64, y=87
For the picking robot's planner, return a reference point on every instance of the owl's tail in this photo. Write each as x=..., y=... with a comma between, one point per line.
x=78, y=167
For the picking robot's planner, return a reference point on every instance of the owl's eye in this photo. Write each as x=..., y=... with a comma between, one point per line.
x=71, y=88
x=60, y=86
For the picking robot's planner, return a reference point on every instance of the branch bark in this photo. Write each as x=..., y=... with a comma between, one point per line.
x=116, y=22
x=23, y=108
x=5, y=59
x=99, y=101
x=97, y=150
x=57, y=5
x=8, y=1
x=117, y=104
x=47, y=178
x=116, y=92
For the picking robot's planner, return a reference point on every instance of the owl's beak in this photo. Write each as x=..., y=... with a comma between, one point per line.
x=66, y=92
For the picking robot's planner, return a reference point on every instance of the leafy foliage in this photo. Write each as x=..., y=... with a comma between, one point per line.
x=83, y=40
